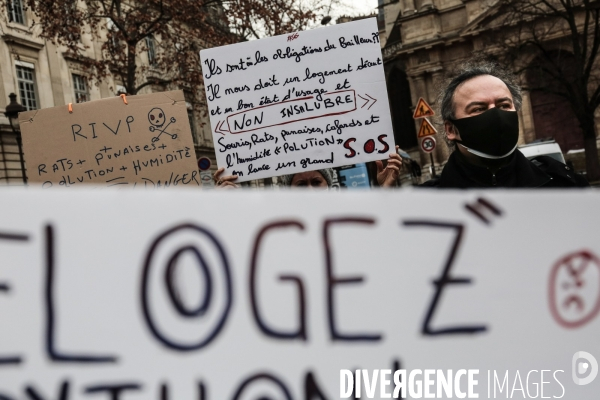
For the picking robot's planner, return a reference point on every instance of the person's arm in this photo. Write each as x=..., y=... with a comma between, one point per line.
x=225, y=182
x=386, y=177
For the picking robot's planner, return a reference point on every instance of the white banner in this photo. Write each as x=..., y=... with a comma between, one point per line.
x=299, y=102
x=238, y=295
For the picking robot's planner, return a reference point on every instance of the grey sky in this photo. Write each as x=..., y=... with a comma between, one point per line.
x=354, y=7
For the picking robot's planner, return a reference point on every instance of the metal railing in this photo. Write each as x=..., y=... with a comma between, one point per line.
x=12, y=162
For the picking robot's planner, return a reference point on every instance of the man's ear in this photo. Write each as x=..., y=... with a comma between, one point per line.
x=451, y=132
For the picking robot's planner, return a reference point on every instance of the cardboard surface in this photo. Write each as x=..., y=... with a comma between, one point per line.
x=291, y=103
x=207, y=297
x=146, y=142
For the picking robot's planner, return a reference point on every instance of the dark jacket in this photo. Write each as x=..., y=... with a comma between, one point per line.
x=542, y=171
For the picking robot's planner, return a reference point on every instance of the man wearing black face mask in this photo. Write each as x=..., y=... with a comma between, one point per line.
x=479, y=108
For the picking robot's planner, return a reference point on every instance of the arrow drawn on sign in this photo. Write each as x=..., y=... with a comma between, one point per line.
x=220, y=129
x=367, y=101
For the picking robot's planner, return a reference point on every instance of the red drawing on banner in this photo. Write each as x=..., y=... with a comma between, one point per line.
x=574, y=289
x=369, y=146
x=367, y=101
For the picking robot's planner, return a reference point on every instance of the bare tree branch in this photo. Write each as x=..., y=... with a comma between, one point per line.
x=554, y=46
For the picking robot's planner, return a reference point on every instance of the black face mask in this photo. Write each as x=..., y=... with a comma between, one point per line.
x=492, y=134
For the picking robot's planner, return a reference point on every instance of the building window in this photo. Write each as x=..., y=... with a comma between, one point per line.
x=16, y=12
x=405, y=133
x=80, y=87
x=113, y=33
x=12, y=162
x=26, y=83
x=69, y=18
x=192, y=126
x=151, y=50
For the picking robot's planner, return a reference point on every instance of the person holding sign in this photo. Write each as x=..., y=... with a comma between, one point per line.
x=319, y=179
x=479, y=109
x=322, y=179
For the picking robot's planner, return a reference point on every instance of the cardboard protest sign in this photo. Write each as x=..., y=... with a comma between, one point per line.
x=218, y=303
x=292, y=103
x=139, y=140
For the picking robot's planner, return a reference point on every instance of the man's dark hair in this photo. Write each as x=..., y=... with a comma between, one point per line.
x=470, y=70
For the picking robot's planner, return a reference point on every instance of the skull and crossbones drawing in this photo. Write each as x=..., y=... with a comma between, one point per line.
x=157, y=119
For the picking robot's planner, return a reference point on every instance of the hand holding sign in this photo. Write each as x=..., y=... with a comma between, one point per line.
x=225, y=182
x=387, y=176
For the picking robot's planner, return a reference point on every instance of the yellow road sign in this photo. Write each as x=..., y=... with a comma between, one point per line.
x=426, y=129
x=423, y=110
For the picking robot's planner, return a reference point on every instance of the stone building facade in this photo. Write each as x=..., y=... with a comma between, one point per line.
x=424, y=39
x=42, y=76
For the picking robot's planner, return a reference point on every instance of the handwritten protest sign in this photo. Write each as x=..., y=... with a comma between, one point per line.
x=218, y=303
x=140, y=140
x=291, y=103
